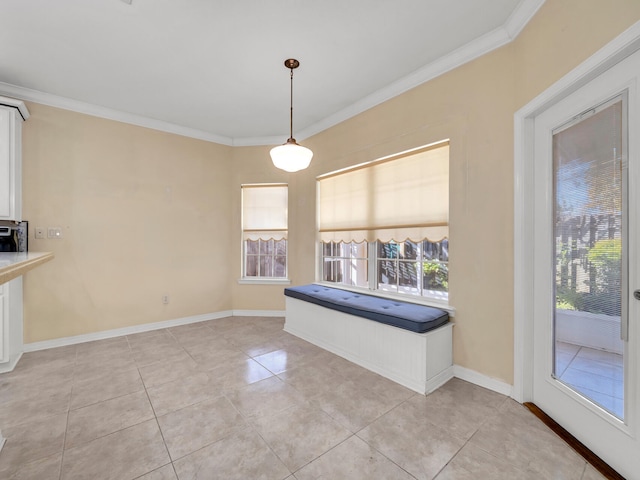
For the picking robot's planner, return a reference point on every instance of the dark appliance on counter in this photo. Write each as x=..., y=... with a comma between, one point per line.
x=13, y=236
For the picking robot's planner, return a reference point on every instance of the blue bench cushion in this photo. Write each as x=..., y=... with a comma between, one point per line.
x=417, y=318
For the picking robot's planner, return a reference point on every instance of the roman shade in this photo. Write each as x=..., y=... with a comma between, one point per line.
x=398, y=198
x=264, y=211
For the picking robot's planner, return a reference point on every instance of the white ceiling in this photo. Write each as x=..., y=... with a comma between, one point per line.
x=213, y=69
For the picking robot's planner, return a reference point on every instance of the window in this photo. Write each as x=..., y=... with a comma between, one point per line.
x=416, y=268
x=264, y=231
x=385, y=225
x=345, y=263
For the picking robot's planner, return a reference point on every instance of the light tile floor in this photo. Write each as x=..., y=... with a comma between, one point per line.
x=238, y=398
x=596, y=374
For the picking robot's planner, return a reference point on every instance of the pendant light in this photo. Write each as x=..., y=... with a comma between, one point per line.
x=290, y=156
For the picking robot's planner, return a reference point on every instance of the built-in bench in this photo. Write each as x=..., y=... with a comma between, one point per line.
x=405, y=342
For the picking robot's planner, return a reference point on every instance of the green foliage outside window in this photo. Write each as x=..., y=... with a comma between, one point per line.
x=436, y=276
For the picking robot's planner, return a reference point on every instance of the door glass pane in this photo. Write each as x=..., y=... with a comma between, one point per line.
x=589, y=239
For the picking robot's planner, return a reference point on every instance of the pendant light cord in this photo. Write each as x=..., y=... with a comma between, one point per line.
x=291, y=110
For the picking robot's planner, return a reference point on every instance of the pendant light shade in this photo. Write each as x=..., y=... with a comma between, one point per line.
x=290, y=156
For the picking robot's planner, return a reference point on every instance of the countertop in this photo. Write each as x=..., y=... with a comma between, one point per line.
x=14, y=264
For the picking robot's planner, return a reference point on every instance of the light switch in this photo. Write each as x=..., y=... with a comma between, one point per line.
x=54, y=232
x=40, y=232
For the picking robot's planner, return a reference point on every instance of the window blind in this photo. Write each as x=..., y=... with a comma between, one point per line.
x=405, y=197
x=264, y=211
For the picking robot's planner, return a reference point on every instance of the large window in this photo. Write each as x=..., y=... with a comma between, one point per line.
x=264, y=231
x=385, y=225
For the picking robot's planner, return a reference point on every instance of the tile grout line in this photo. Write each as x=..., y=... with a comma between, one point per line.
x=222, y=395
x=468, y=442
x=381, y=453
x=255, y=430
x=155, y=416
x=66, y=429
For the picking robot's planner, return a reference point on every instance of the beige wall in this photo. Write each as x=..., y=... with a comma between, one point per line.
x=142, y=213
x=88, y=175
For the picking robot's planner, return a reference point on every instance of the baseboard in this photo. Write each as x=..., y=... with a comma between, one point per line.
x=118, y=332
x=259, y=313
x=459, y=372
x=440, y=379
x=482, y=380
x=7, y=367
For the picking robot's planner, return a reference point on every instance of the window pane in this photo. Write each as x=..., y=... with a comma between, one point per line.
x=354, y=272
x=251, y=246
x=436, y=251
x=435, y=276
x=266, y=266
x=387, y=250
x=444, y=250
x=266, y=247
x=280, y=267
x=251, y=266
x=409, y=250
x=359, y=249
x=328, y=271
x=387, y=274
x=281, y=247
x=408, y=274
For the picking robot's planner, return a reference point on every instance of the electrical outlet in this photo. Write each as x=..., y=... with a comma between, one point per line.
x=39, y=232
x=165, y=299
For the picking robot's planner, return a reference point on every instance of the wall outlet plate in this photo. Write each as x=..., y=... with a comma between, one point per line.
x=54, y=232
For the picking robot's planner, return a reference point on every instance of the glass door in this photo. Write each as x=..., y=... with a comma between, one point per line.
x=590, y=243
x=586, y=264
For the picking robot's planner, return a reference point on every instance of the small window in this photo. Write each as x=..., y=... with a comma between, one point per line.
x=264, y=231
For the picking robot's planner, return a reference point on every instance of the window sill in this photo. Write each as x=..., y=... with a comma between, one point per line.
x=264, y=281
x=429, y=302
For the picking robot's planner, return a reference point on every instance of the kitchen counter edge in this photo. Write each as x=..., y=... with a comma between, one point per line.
x=14, y=264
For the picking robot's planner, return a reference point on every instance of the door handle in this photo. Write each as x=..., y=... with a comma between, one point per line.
x=636, y=294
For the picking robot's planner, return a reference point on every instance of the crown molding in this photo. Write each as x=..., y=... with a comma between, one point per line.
x=521, y=16
x=462, y=55
x=264, y=141
x=472, y=50
x=17, y=104
x=65, y=103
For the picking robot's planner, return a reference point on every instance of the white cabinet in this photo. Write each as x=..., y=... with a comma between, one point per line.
x=10, y=324
x=12, y=114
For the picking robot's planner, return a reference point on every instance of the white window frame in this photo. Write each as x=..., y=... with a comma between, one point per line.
x=434, y=298
x=259, y=280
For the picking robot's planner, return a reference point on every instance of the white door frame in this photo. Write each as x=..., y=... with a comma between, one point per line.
x=621, y=47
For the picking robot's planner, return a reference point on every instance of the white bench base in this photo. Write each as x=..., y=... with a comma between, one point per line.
x=419, y=361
